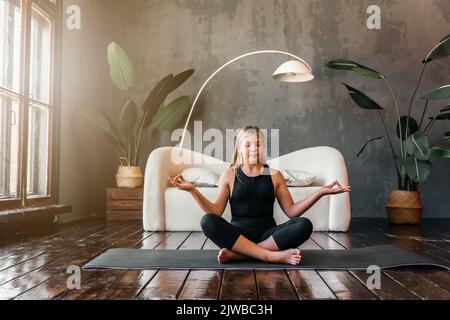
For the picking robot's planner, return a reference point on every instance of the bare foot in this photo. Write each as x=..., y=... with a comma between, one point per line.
x=290, y=256
x=226, y=255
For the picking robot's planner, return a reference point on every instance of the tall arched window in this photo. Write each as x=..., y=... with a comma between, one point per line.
x=29, y=58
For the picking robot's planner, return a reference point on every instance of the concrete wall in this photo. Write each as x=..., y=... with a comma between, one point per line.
x=171, y=36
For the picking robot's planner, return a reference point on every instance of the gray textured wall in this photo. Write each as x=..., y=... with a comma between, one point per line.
x=170, y=36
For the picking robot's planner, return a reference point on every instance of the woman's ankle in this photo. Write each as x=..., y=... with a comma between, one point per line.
x=267, y=256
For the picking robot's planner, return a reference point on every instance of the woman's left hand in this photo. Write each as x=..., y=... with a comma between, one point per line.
x=330, y=189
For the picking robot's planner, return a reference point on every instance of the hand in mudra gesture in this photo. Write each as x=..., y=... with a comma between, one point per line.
x=334, y=188
x=180, y=183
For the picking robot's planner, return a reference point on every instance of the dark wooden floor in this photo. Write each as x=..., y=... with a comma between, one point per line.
x=36, y=268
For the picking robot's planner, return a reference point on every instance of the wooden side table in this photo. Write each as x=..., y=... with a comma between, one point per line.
x=124, y=204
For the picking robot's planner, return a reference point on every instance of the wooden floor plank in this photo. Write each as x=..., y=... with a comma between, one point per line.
x=56, y=286
x=419, y=285
x=309, y=245
x=200, y=284
x=56, y=249
x=410, y=237
x=274, y=284
x=209, y=245
x=10, y=247
x=167, y=284
x=57, y=266
x=19, y=253
x=195, y=241
x=309, y=285
x=345, y=286
x=404, y=236
x=238, y=285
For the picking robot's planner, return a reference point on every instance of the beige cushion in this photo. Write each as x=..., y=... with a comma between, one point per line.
x=201, y=177
x=297, y=178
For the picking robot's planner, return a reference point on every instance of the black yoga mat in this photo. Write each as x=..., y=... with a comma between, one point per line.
x=383, y=256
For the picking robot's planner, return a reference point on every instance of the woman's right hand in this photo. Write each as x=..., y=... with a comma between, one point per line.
x=180, y=183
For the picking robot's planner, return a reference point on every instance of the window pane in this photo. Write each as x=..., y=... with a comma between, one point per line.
x=9, y=147
x=40, y=55
x=38, y=136
x=10, y=41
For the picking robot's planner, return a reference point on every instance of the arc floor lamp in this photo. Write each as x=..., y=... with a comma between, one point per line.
x=291, y=71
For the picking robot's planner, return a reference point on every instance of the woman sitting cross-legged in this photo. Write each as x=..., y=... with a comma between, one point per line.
x=251, y=187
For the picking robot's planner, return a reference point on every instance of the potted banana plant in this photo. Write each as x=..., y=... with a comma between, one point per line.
x=127, y=133
x=412, y=158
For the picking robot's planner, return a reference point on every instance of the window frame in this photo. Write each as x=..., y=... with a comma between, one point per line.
x=53, y=12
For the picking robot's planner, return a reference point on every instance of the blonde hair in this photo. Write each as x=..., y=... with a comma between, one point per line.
x=237, y=158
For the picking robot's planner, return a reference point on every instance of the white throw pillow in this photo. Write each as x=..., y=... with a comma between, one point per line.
x=201, y=177
x=297, y=178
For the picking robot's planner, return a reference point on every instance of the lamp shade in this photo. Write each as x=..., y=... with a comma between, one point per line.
x=293, y=71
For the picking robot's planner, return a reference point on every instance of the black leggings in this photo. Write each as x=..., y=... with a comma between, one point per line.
x=290, y=234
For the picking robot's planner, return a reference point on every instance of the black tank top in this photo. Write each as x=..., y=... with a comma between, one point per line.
x=252, y=200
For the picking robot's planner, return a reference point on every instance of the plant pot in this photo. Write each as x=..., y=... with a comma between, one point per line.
x=129, y=177
x=404, y=207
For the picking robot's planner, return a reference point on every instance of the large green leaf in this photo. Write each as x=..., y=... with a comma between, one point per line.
x=168, y=117
x=445, y=109
x=127, y=121
x=438, y=94
x=121, y=68
x=95, y=118
x=417, y=170
x=159, y=94
x=365, y=145
x=441, y=116
x=349, y=65
x=444, y=114
x=437, y=152
x=441, y=50
x=361, y=99
x=417, y=146
x=412, y=124
x=155, y=99
x=179, y=79
x=156, y=91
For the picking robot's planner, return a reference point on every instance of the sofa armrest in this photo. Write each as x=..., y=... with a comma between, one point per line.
x=168, y=161
x=328, y=165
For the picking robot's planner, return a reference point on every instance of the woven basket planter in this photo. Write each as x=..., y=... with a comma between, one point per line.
x=129, y=177
x=404, y=207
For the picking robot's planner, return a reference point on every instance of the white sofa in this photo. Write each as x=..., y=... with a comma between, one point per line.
x=168, y=209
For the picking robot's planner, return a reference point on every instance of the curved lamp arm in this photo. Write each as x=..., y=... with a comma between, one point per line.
x=222, y=67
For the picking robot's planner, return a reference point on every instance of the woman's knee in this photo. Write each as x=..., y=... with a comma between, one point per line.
x=209, y=221
x=308, y=225
x=305, y=225
x=296, y=233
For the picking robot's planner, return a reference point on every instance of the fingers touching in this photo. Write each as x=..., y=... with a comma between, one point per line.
x=173, y=181
x=339, y=188
x=331, y=185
